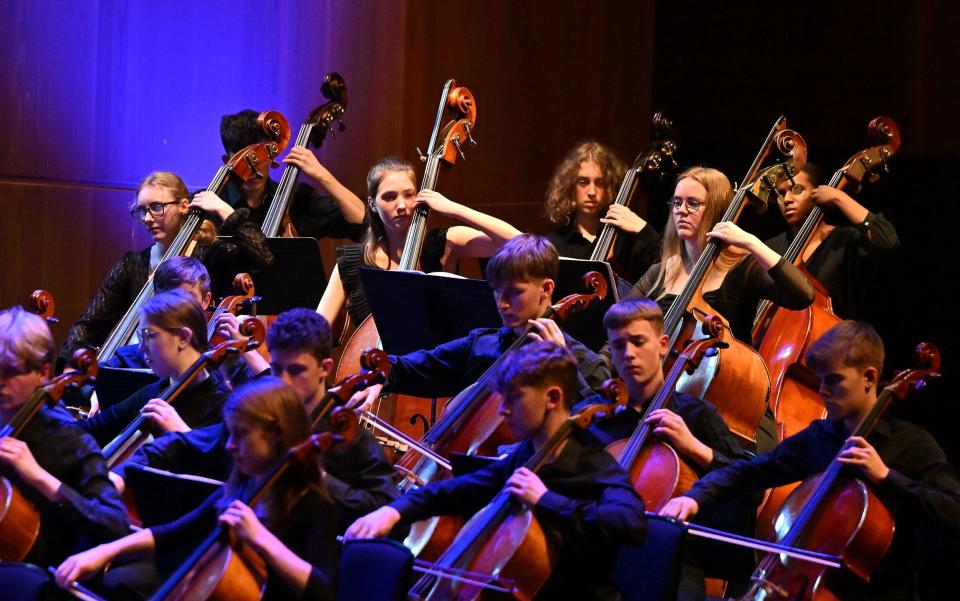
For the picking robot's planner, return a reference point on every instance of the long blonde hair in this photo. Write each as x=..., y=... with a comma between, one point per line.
x=719, y=196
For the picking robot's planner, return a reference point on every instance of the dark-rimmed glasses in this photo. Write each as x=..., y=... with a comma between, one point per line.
x=156, y=210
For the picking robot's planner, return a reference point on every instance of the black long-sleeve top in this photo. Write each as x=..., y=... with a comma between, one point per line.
x=700, y=416
x=313, y=215
x=87, y=510
x=199, y=405
x=921, y=491
x=128, y=276
x=451, y=367
x=849, y=257
x=634, y=253
x=590, y=502
x=742, y=288
x=308, y=530
x=358, y=475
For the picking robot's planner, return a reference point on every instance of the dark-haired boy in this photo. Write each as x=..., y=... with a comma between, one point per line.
x=339, y=215
x=900, y=462
x=581, y=494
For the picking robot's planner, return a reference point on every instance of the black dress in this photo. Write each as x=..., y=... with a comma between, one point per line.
x=350, y=260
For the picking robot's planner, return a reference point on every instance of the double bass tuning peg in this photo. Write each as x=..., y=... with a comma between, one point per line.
x=469, y=130
x=423, y=157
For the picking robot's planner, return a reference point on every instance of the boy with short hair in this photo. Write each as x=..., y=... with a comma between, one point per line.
x=582, y=493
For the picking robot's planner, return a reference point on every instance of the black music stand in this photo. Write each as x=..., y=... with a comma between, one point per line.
x=162, y=496
x=415, y=311
x=586, y=326
x=296, y=278
x=114, y=384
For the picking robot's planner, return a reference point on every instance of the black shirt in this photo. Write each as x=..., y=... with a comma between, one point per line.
x=308, y=530
x=742, y=288
x=313, y=215
x=590, y=502
x=358, y=475
x=87, y=510
x=848, y=260
x=921, y=491
x=451, y=367
x=634, y=253
x=198, y=405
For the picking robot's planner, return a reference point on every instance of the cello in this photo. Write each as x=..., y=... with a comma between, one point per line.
x=235, y=304
x=133, y=436
x=471, y=423
x=41, y=303
x=504, y=538
x=222, y=568
x=736, y=379
x=312, y=132
x=782, y=336
x=446, y=143
x=837, y=514
x=19, y=520
x=252, y=160
x=656, y=469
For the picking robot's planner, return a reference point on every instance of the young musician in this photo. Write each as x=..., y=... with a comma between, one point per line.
x=579, y=202
x=743, y=274
x=359, y=477
x=339, y=215
x=690, y=425
x=844, y=258
x=162, y=204
x=173, y=334
x=899, y=461
x=59, y=469
x=522, y=274
x=293, y=529
x=392, y=198
x=184, y=273
x=581, y=493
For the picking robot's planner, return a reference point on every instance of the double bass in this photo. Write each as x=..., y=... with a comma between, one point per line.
x=782, y=336
x=504, y=538
x=223, y=568
x=836, y=514
x=255, y=159
x=648, y=165
x=657, y=471
x=446, y=144
x=312, y=132
x=19, y=520
x=736, y=379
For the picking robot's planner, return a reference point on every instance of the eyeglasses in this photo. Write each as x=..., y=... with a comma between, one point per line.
x=693, y=205
x=156, y=209
x=146, y=335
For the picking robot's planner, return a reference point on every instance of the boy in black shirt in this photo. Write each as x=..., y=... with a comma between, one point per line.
x=900, y=462
x=582, y=493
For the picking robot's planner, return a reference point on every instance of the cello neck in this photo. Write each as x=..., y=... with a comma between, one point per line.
x=643, y=430
x=288, y=180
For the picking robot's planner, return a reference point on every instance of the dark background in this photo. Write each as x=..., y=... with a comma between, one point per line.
x=97, y=97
